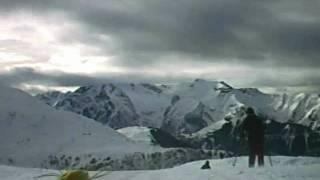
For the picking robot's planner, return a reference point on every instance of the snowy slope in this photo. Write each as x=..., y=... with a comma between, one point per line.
x=32, y=134
x=138, y=134
x=285, y=168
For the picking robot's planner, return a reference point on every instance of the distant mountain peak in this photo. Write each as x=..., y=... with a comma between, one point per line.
x=168, y=106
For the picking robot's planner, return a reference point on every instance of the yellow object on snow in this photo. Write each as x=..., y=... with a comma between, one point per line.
x=75, y=175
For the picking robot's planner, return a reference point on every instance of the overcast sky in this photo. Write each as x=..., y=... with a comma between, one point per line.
x=271, y=44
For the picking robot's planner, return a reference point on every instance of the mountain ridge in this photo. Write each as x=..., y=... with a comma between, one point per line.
x=33, y=134
x=175, y=107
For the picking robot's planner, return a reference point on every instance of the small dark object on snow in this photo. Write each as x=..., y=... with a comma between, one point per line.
x=206, y=165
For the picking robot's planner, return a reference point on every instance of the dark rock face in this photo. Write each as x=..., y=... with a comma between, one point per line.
x=195, y=119
x=280, y=139
x=190, y=122
x=166, y=140
x=152, y=87
x=136, y=161
x=100, y=104
x=50, y=98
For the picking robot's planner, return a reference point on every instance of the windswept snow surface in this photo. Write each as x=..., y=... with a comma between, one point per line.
x=284, y=168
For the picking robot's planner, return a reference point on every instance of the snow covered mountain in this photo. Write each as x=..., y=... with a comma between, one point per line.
x=36, y=135
x=184, y=107
x=107, y=104
x=30, y=132
x=300, y=108
x=200, y=114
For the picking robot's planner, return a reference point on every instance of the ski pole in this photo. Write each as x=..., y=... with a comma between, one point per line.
x=234, y=160
x=239, y=148
x=270, y=160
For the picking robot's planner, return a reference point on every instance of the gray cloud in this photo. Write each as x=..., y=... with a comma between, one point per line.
x=31, y=76
x=209, y=30
x=19, y=76
x=307, y=80
x=255, y=33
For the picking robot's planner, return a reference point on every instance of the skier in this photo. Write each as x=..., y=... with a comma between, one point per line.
x=254, y=128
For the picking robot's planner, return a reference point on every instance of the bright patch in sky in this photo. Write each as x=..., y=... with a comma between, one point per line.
x=35, y=43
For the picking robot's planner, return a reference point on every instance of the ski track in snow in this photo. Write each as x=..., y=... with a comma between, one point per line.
x=285, y=168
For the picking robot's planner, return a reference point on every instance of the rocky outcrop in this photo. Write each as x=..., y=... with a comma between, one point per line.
x=136, y=161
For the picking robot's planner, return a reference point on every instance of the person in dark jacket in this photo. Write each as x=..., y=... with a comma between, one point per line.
x=254, y=128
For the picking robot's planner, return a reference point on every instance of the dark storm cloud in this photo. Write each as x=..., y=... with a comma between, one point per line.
x=31, y=76
x=254, y=33
x=209, y=30
x=25, y=75
x=20, y=76
x=312, y=80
